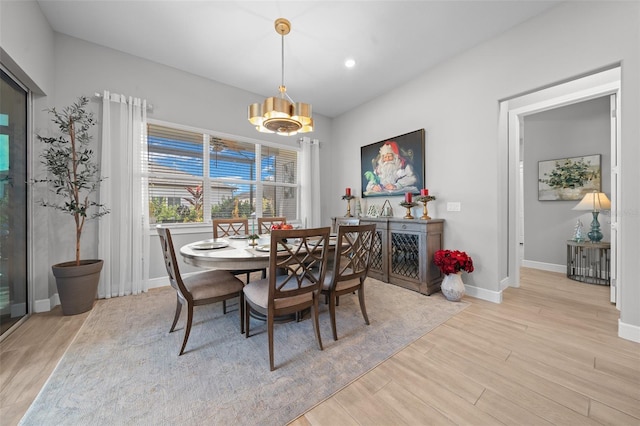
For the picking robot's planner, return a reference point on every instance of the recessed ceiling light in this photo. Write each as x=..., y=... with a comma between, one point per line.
x=349, y=63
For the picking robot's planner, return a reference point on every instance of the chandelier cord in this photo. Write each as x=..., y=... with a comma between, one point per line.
x=282, y=50
x=283, y=88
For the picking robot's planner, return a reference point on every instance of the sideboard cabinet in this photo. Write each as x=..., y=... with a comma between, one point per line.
x=403, y=252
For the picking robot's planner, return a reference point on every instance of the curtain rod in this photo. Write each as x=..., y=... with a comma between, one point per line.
x=99, y=96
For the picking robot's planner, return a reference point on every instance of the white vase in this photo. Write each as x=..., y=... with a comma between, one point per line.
x=452, y=287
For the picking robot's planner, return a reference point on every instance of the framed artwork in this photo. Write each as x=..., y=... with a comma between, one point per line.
x=568, y=179
x=393, y=166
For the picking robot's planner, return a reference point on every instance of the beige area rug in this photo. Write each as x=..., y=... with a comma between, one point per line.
x=123, y=366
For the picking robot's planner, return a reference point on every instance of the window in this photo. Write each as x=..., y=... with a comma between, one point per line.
x=196, y=176
x=279, y=169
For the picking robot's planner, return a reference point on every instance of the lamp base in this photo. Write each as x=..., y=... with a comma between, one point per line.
x=595, y=236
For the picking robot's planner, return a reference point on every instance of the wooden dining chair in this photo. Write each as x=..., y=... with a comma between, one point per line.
x=265, y=223
x=302, y=254
x=229, y=227
x=232, y=227
x=198, y=289
x=351, y=262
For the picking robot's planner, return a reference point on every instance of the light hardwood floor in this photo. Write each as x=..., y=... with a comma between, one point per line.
x=28, y=357
x=549, y=354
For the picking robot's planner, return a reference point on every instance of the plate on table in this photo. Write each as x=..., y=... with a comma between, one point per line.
x=332, y=241
x=210, y=245
x=267, y=247
x=238, y=237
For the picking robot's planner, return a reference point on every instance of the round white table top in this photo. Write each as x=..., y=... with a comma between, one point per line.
x=226, y=253
x=229, y=253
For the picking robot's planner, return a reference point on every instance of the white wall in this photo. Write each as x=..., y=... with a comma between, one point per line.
x=27, y=44
x=457, y=103
x=179, y=97
x=570, y=131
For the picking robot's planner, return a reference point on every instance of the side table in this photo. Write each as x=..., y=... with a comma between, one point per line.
x=589, y=262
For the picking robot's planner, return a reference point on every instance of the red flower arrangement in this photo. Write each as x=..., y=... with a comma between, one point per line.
x=452, y=261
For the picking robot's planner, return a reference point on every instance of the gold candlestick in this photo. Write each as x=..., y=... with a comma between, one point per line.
x=424, y=199
x=425, y=214
x=348, y=198
x=408, y=206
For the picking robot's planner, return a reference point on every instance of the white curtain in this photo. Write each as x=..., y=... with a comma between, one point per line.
x=124, y=233
x=310, y=212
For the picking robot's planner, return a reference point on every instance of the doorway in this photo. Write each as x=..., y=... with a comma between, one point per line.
x=14, y=304
x=512, y=113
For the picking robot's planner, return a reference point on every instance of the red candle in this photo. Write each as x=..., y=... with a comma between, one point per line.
x=407, y=197
x=424, y=192
x=348, y=192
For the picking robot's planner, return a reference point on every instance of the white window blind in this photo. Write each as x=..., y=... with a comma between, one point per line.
x=194, y=176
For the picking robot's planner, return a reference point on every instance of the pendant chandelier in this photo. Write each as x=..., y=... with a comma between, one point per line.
x=280, y=114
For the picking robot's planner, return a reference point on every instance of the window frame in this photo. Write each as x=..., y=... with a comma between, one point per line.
x=207, y=181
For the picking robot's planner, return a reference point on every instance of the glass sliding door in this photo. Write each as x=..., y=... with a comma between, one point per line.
x=13, y=202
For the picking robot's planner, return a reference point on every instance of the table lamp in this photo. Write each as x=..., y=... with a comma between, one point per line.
x=594, y=201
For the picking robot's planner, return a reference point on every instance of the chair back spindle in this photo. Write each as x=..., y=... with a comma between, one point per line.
x=229, y=227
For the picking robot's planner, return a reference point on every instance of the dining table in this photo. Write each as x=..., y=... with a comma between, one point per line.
x=231, y=253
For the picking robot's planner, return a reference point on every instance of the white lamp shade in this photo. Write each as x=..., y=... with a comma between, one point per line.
x=594, y=201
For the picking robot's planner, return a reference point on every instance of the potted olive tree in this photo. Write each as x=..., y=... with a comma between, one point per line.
x=73, y=176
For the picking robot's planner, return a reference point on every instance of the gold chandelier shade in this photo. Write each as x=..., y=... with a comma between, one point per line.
x=280, y=114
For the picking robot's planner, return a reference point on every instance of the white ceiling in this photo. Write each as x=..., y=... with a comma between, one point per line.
x=234, y=42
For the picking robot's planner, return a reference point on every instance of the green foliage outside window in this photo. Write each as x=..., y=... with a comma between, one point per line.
x=196, y=200
x=227, y=206
x=160, y=209
x=162, y=212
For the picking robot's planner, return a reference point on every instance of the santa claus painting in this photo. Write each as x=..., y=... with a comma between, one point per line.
x=392, y=172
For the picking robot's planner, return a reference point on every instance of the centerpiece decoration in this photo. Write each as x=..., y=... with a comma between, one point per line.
x=452, y=263
x=347, y=196
x=253, y=239
x=408, y=204
x=424, y=198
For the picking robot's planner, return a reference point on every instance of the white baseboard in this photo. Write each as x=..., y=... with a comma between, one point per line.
x=42, y=306
x=161, y=281
x=628, y=331
x=484, y=294
x=505, y=283
x=551, y=267
x=45, y=305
